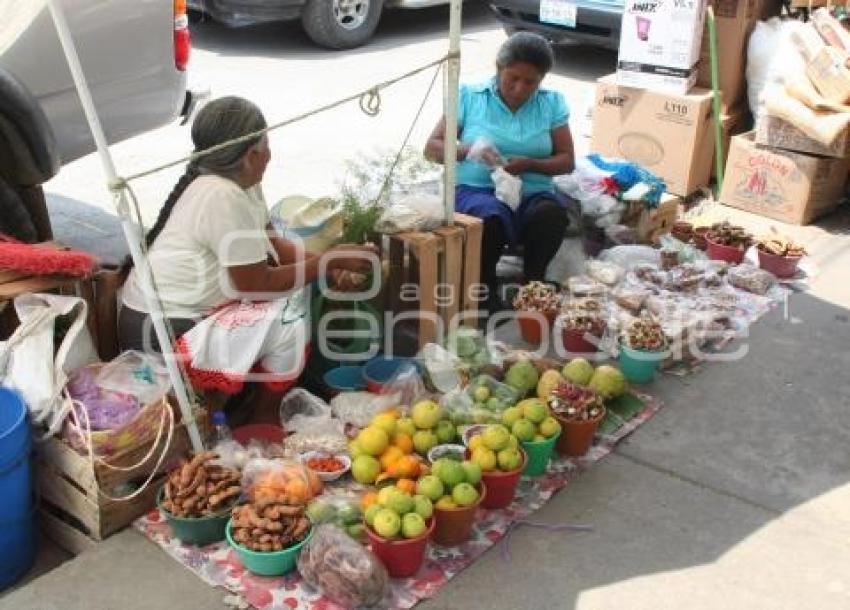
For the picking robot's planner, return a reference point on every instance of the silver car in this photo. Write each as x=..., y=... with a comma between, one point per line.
x=134, y=54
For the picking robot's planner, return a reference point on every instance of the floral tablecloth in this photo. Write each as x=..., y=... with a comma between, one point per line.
x=218, y=565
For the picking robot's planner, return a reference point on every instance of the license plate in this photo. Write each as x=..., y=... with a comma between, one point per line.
x=558, y=12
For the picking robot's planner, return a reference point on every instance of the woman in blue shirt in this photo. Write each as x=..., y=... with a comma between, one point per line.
x=528, y=130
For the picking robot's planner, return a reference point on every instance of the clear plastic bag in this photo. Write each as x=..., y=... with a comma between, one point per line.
x=359, y=408
x=343, y=570
x=630, y=255
x=339, y=510
x=310, y=421
x=489, y=398
x=508, y=188
x=750, y=278
x=440, y=366
x=630, y=297
x=459, y=407
x=411, y=212
x=299, y=409
x=136, y=373
x=581, y=286
x=265, y=479
x=606, y=273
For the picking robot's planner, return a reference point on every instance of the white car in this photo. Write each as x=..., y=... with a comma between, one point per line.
x=134, y=54
x=335, y=24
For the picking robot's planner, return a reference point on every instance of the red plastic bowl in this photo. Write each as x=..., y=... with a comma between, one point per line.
x=402, y=558
x=780, y=266
x=501, y=486
x=719, y=252
x=261, y=432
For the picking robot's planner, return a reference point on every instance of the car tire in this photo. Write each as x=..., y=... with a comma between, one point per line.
x=341, y=24
x=15, y=219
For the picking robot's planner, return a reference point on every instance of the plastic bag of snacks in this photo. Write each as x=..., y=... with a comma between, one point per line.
x=343, y=570
x=267, y=480
x=341, y=511
x=359, y=408
x=750, y=278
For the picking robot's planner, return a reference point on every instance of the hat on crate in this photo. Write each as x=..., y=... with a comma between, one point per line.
x=317, y=222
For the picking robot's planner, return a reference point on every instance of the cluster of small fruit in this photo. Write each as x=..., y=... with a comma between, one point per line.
x=345, y=514
x=585, y=314
x=495, y=449
x=530, y=421
x=490, y=398
x=394, y=512
x=575, y=402
x=451, y=484
x=385, y=448
x=645, y=334
x=537, y=296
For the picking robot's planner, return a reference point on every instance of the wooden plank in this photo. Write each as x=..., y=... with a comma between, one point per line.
x=426, y=250
x=396, y=274
x=62, y=458
x=115, y=516
x=106, y=285
x=57, y=490
x=12, y=276
x=473, y=232
x=451, y=279
x=64, y=534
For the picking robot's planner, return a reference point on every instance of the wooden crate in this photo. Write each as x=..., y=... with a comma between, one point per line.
x=443, y=264
x=72, y=510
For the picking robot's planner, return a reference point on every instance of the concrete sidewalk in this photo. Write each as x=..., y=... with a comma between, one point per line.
x=735, y=495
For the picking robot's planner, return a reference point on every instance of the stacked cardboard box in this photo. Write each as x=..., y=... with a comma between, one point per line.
x=793, y=167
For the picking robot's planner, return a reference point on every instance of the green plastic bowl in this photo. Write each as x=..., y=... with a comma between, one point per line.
x=273, y=563
x=199, y=531
x=539, y=453
x=639, y=366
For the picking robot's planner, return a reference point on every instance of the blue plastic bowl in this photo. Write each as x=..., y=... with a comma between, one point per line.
x=381, y=370
x=345, y=379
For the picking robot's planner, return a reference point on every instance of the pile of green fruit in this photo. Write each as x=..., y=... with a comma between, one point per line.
x=496, y=449
x=428, y=426
x=530, y=421
x=344, y=514
x=489, y=399
x=451, y=484
x=398, y=514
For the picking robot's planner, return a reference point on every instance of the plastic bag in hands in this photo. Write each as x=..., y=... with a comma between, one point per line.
x=265, y=479
x=342, y=570
x=412, y=212
x=508, y=188
x=136, y=373
x=485, y=152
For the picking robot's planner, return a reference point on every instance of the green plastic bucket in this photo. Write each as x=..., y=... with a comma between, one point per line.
x=538, y=453
x=273, y=563
x=199, y=531
x=639, y=366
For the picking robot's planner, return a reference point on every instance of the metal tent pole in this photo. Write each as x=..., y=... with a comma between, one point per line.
x=450, y=110
x=131, y=232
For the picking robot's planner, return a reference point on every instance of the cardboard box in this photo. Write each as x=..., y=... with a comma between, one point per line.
x=778, y=133
x=660, y=44
x=735, y=20
x=787, y=186
x=650, y=225
x=830, y=75
x=670, y=135
x=731, y=124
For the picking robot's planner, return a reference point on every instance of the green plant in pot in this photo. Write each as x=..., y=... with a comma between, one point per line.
x=579, y=410
x=643, y=346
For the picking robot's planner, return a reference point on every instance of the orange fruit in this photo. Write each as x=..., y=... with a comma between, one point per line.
x=403, y=441
x=368, y=499
x=298, y=489
x=408, y=486
x=408, y=466
x=394, y=412
x=390, y=457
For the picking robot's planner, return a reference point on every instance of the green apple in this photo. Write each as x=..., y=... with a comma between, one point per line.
x=387, y=523
x=481, y=415
x=514, y=442
x=426, y=414
x=485, y=458
x=509, y=459
x=430, y=486
x=534, y=410
x=423, y=441
x=413, y=525
x=550, y=427
x=472, y=470
x=511, y=415
x=406, y=425
x=369, y=516
x=494, y=404
x=464, y=494
x=349, y=514
x=445, y=431
x=423, y=506
x=524, y=430
x=445, y=503
x=450, y=472
x=496, y=437
x=481, y=393
x=400, y=502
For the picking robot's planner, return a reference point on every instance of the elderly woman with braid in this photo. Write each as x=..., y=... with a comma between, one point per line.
x=512, y=122
x=232, y=290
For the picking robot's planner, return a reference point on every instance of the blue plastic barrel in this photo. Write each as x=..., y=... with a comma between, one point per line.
x=17, y=535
